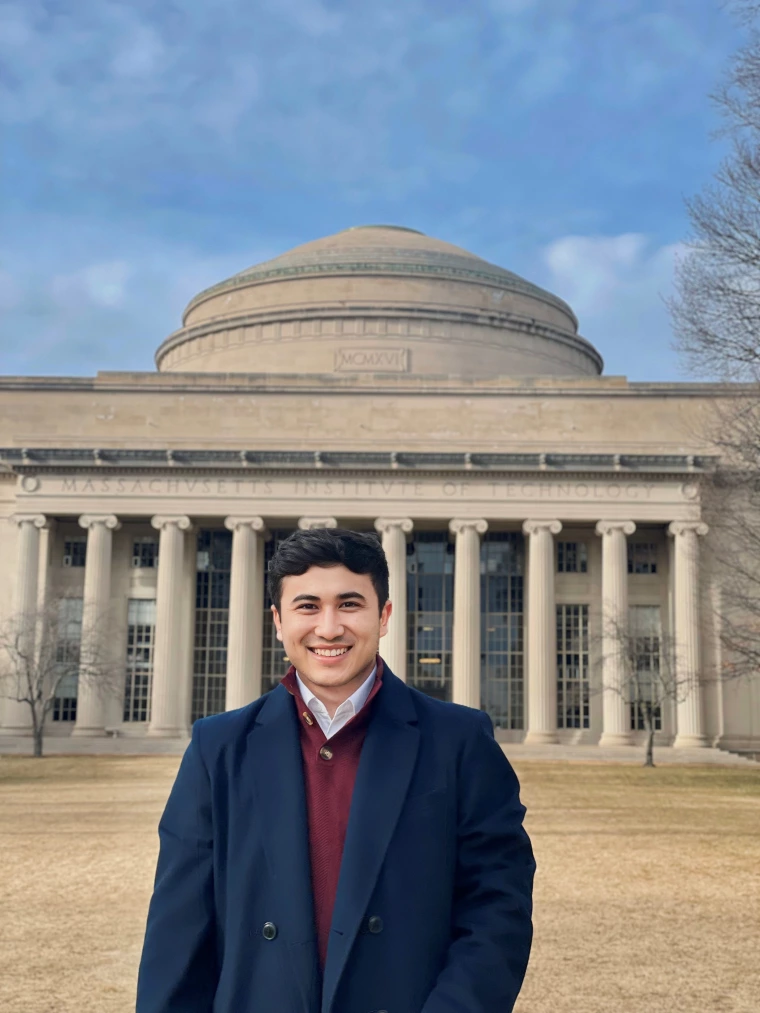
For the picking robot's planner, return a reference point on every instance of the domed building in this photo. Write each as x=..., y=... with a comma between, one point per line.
x=379, y=299
x=529, y=505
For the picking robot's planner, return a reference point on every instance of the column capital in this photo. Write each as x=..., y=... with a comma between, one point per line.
x=310, y=523
x=607, y=527
x=161, y=521
x=531, y=527
x=256, y=523
x=463, y=523
x=110, y=521
x=38, y=520
x=383, y=524
x=677, y=528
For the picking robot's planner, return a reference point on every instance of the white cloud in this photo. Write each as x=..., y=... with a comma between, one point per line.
x=141, y=54
x=310, y=16
x=591, y=270
x=103, y=284
x=616, y=285
x=356, y=94
x=103, y=314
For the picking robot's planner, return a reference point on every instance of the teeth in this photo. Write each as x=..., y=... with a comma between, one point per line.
x=334, y=653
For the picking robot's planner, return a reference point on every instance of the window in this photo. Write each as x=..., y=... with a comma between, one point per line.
x=145, y=552
x=68, y=639
x=212, y=610
x=572, y=557
x=642, y=557
x=430, y=604
x=572, y=666
x=75, y=551
x=141, y=628
x=501, y=619
x=645, y=639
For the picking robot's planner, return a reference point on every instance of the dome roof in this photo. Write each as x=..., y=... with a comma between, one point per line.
x=379, y=299
x=386, y=249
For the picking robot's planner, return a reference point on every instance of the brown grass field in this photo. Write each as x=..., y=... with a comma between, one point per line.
x=647, y=896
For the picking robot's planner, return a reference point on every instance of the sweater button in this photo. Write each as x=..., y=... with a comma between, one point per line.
x=375, y=924
x=269, y=931
x=326, y=753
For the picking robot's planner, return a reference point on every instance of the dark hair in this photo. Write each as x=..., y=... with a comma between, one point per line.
x=359, y=552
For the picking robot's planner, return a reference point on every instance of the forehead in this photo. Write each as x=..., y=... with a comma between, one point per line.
x=327, y=582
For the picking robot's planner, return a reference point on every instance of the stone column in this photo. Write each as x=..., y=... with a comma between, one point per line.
x=393, y=645
x=97, y=666
x=167, y=718
x=245, y=640
x=309, y=523
x=688, y=662
x=466, y=646
x=16, y=716
x=615, y=702
x=187, y=636
x=542, y=633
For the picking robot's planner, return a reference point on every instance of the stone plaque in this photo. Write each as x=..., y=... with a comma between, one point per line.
x=372, y=360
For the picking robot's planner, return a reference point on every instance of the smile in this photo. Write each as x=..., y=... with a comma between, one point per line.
x=329, y=652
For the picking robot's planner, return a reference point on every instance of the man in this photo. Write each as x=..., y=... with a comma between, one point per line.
x=343, y=844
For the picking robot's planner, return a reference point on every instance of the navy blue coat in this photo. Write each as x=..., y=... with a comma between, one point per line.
x=433, y=911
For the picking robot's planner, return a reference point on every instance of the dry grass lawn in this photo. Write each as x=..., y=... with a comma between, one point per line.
x=647, y=896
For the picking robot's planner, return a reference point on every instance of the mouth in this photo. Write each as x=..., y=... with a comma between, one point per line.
x=330, y=652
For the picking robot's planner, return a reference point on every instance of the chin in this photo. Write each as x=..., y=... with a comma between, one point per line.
x=326, y=675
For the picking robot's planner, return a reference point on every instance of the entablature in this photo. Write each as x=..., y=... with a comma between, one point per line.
x=22, y=460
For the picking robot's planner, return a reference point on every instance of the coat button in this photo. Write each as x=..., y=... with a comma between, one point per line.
x=375, y=924
x=269, y=931
x=326, y=753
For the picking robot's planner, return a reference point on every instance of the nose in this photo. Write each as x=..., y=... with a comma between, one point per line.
x=329, y=626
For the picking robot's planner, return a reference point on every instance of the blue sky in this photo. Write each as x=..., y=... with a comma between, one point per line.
x=152, y=149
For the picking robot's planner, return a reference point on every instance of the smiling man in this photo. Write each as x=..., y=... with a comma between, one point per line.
x=344, y=844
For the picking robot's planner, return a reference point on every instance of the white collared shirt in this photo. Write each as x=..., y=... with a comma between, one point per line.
x=344, y=713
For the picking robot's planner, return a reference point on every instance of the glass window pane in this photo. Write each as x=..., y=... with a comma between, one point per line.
x=501, y=586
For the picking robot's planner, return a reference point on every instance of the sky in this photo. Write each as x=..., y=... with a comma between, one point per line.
x=153, y=149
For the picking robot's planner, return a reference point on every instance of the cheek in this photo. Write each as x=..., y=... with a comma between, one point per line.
x=365, y=627
x=296, y=627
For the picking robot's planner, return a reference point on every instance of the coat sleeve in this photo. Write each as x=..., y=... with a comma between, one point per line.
x=178, y=972
x=492, y=928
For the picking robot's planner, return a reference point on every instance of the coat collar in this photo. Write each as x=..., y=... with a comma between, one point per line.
x=382, y=781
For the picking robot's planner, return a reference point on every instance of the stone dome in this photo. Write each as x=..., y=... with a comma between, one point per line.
x=379, y=299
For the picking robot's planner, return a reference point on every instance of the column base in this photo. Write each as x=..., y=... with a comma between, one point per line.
x=615, y=739
x=534, y=737
x=168, y=733
x=690, y=742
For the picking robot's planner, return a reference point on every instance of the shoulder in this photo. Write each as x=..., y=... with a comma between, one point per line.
x=220, y=731
x=447, y=717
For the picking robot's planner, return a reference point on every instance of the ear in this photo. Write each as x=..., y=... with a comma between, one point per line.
x=277, y=622
x=385, y=616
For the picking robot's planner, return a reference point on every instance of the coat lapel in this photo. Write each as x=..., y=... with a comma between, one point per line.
x=276, y=772
x=385, y=769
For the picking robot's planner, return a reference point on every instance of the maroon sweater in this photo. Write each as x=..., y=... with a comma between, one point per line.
x=329, y=783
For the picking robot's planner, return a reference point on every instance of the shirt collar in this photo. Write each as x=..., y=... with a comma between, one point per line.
x=357, y=699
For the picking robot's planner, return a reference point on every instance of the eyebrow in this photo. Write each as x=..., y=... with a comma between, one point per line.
x=341, y=597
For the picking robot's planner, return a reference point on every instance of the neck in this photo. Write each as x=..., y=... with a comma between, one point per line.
x=331, y=697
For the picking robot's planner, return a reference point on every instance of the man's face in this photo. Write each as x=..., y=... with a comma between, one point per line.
x=330, y=625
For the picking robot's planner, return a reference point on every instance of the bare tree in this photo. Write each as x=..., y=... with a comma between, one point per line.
x=649, y=678
x=44, y=660
x=716, y=311
x=716, y=319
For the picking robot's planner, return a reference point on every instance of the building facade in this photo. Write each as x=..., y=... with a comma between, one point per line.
x=529, y=506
